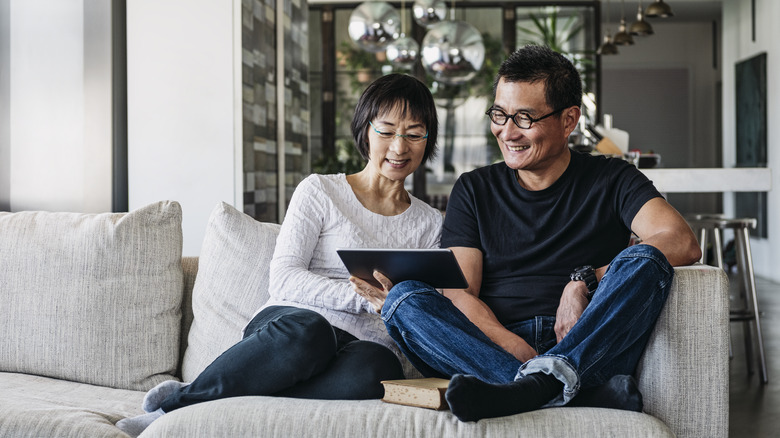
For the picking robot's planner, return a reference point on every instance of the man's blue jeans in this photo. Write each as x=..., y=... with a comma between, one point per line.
x=608, y=339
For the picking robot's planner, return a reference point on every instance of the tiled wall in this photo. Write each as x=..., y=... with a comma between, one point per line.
x=296, y=93
x=260, y=115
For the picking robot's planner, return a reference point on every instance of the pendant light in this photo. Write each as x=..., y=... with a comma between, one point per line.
x=659, y=9
x=452, y=51
x=641, y=27
x=404, y=50
x=429, y=12
x=623, y=37
x=373, y=25
x=607, y=47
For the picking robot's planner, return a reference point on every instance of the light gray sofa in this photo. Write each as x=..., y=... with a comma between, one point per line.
x=97, y=309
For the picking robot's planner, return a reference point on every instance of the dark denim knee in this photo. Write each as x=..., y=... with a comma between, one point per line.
x=298, y=329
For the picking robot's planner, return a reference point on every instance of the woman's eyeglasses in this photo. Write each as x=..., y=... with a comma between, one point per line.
x=388, y=134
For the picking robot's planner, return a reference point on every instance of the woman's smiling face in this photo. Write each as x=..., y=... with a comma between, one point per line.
x=395, y=157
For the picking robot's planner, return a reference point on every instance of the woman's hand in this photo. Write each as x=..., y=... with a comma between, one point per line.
x=374, y=295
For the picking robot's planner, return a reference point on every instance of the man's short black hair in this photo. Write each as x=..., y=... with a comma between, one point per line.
x=532, y=63
x=392, y=91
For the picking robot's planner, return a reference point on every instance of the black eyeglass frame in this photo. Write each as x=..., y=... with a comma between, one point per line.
x=524, y=116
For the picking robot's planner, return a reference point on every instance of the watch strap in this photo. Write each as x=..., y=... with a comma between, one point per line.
x=587, y=275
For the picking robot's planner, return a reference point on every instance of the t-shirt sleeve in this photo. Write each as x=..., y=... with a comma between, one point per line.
x=634, y=190
x=460, y=223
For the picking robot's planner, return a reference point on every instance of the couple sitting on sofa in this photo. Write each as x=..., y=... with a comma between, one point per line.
x=518, y=228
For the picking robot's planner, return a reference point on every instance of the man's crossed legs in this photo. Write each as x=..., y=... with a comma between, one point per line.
x=594, y=360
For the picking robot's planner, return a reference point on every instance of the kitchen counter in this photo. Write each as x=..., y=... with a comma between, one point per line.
x=699, y=180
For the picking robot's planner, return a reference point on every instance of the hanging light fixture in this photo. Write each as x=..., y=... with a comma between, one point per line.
x=373, y=25
x=623, y=37
x=429, y=12
x=607, y=47
x=659, y=9
x=403, y=51
x=641, y=27
x=452, y=51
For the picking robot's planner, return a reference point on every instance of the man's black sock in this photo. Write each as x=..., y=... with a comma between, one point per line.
x=471, y=399
x=620, y=392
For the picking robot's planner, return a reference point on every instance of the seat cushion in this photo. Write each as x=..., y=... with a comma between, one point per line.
x=92, y=298
x=34, y=406
x=232, y=283
x=287, y=417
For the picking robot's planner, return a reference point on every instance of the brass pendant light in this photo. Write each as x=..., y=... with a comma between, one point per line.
x=641, y=27
x=623, y=38
x=607, y=47
x=659, y=9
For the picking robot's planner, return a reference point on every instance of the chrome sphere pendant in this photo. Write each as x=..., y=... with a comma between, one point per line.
x=373, y=25
x=453, y=52
x=429, y=12
x=403, y=51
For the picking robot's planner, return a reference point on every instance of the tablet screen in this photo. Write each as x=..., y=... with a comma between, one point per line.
x=437, y=267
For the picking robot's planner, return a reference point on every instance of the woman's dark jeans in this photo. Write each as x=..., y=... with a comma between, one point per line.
x=292, y=352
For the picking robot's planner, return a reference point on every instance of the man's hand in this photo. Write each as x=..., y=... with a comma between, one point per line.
x=371, y=293
x=573, y=302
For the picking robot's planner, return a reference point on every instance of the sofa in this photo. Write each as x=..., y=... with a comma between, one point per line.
x=95, y=309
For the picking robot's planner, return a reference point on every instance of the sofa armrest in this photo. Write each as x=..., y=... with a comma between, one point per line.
x=684, y=372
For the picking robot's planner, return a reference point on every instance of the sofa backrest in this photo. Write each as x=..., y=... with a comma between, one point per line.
x=92, y=298
x=230, y=285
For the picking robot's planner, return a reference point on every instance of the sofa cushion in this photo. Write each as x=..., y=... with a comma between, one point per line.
x=34, y=406
x=232, y=283
x=92, y=298
x=300, y=418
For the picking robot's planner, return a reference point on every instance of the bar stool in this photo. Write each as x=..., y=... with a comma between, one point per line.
x=749, y=314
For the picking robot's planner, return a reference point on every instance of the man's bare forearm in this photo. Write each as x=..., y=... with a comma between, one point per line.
x=480, y=314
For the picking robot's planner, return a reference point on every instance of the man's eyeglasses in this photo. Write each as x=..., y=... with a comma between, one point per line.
x=522, y=120
x=387, y=134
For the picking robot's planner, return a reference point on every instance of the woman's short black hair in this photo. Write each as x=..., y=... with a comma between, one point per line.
x=387, y=93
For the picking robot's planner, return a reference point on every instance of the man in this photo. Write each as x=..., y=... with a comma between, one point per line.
x=558, y=304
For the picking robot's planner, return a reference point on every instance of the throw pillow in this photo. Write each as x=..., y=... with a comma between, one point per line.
x=232, y=283
x=92, y=298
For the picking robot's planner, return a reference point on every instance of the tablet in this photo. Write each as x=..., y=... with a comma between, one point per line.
x=436, y=267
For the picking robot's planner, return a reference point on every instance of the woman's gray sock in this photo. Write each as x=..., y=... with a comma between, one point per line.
x=156, y=395
x=133, y=426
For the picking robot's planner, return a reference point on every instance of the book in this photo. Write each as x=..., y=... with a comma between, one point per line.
x=423, y=393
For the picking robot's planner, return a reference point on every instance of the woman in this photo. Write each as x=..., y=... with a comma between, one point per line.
x=316, y=338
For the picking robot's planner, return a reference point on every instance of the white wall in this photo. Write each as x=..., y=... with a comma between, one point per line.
x=5, y=106
x=184, y=114
x=738, y=46
x=58, y=106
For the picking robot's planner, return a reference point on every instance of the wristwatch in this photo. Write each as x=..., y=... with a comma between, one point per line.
x=588, y=275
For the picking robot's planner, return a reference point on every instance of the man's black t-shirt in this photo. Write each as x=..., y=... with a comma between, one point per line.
x=532, y=240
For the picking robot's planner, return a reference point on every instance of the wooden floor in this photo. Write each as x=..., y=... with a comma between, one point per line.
x=755, y=408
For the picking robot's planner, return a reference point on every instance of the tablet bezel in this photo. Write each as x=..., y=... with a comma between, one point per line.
x=437, y=267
